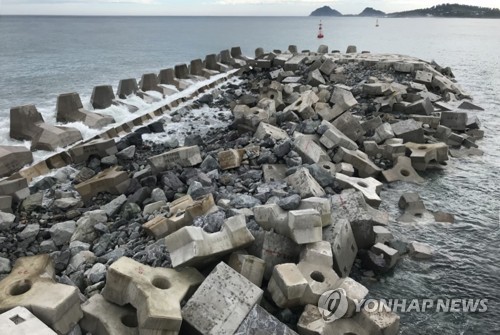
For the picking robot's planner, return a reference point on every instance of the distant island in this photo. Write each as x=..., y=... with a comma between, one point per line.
x=444, y=10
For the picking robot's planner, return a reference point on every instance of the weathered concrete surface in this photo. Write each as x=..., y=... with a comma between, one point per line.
x=13, y=158
x=111, y=180
x=343, y=245
x=31, y=284
x=16, y=188
x=99, y=147
x=26, y=123
x=230, y=159
x=409, y=130
x=221, y=303
x=260, y=322
x=302, y=182
x=191, y=245
x=424, y=156
x=70, y=109
x=102, y=97
x=359, y=160
x=20, y=321
x=156, y=293
x=184, y=157
x=369, y=187
x=250, y=267
x=287, y=285
x=101, y=317
x=127, y=87
x=404, y=171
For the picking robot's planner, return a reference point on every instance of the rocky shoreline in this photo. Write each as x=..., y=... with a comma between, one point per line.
x=263, y=213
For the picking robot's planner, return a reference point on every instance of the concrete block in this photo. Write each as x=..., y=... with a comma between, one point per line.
x=102, y=96
x=230, y=159
x=349, y=125
x=274, y=172
x=181, y=71
x=391, y=256
x=149, y=82
x=287, y=285
x=111, y=180
x=260, y=322
x=273, y=249
x=311, y=322
x=351, y=49
x=420, y=250
x=403, y=171
x=303, y=183
x=344, y=248
x=127, y=87
x=378, y=319
x=248, y=119
x=383, y=132
x=293, y=63
x=13, y=158
x=20, y=321
x=249, y=266
x=259, y=52
x=304, y=105
x=322, y=205
x=382, y=234
x=343, y=99
x=423, y=77
x=315, y=78
x=420, y=107
x=101, y=317
x=6, y=203
x=470, y=106
x=100, y=148
x=156, y=293
x=369, y=187
x=454, y=120
x=221, y=303
x=359, y=160
x=344, y=168
x=404, y=67
x=327, y=67
x=351, y=205
x=26, y=123
x=309, y=151
x=31, y=284
x=333, y=138
x=184, y=157
x=191, y=245
x=266, y=130
x=424, y=156
x=17, y=189
x=70, y=109
x=211, y=62
x=376, y=89
x=429, y=120
x=167, y=77
x=354, y=293
x=409, y=130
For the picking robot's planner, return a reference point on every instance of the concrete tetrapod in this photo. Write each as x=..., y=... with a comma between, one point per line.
x=156, y=293
x=370, y=187
x=26, y=123
x=101, y=317
x=424, y=156
x=221, y=303
x=13, y=158
x=31, y=284
x=70, y=109
x=404, y=171
x=191, y=245
x=358, y=159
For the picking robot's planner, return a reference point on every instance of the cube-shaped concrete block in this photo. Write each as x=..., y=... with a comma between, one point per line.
x=322, y=205
x=249, y=266
x=260, y=321
x=184, y=156
x=111, y=180
x=19, y=321
x=360, y=161
x=100, y=148
x=420, y=250
x=349, y=125
x=343, y=245
x=302, y=182
x=391, y=256
x=230, y=159
x=221, y=303
x=333, y=138
x=265, y=129
x=305, y=226
x=309, y=150
x=156, y=293
x=343, y=99
x=191, y=245
x=31, y=284
x=13, y=158
x=287, y=285
x=355, y=293
x=378, y=319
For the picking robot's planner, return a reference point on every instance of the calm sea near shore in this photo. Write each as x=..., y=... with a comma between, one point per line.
x=42, y=57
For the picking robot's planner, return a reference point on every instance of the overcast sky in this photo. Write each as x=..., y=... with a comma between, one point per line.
x=213, y=7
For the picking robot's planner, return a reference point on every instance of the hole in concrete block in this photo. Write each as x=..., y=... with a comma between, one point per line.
x=362, y=184
x=317, y=276
x=422, y=147
x=271, y=96
x=353, y=248
x=350, y=333
x=255, y=112
x=20, y=287
x=404, y=173
x=161, y=283
x=418, y=215
x=16, y=319
x=326, y=167
x=129, y=320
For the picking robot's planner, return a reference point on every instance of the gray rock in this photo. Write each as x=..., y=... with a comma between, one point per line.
x=127, y=153
x=60, y=259
x=130, y=211
x=194, y=187
x=96, y=273
x=48, y=246
x=33, y=202
x=293, y=159
x=282, y=149
x=5, y=265
x=290, y=203
x=44, y=184
x=6, y=221
x=209, y=164
x=68, y=203
x=172, y=143
x=112, y=255
x=244, y=201
x=113, y=207
x=322, y=176
x=61, y=232
x=80, y=260
x=158, y=195
x=109, y=160
x=77, y=246
x=29, y=233
x=210, y=223
x=85, y=231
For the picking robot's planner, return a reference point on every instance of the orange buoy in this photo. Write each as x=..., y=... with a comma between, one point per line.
x=320, y=32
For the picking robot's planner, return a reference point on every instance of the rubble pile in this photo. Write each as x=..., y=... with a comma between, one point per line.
x=241, y=229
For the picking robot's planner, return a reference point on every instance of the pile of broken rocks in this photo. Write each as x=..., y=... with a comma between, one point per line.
x=240, y=230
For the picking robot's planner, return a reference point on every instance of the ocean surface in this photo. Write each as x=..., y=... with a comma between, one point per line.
x=42, y=57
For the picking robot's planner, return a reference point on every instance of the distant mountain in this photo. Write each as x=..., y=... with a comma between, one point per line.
x=325, y=11
x=369, y=11
x=451, y=10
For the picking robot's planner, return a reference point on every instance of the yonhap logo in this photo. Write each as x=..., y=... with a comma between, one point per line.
x=333, y=305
